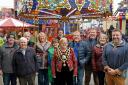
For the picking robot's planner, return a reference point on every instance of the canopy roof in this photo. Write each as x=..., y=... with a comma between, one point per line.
x=11, y=22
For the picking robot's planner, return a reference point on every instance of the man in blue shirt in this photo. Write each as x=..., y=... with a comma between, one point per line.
x=78, y=45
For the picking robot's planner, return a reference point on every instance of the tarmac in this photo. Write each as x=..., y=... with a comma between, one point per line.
x=91, y=83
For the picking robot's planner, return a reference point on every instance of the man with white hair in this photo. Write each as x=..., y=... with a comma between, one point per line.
x=25, y=63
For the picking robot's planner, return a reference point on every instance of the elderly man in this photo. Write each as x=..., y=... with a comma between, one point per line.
x=25, y=63
x=115, y=57
x=6, y=58
x=78, y=45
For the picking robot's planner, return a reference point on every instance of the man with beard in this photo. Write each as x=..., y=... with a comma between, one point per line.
x=89, y=44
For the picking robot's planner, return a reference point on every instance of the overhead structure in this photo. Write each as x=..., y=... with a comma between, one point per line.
x=52, y=15
x=122, y=19
x=63, y=9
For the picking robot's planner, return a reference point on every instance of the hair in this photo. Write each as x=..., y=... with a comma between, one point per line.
x=41, y=33
x=55, y=40
x=60, y=30
x=10, y=35
x=117, y=30
x=102, y=34
x=63, y=39
x=75, y=32
x=26, y=33
x=92, y=29
x=23, y=39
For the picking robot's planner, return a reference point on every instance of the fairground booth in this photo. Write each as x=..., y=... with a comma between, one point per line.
x=122, y=16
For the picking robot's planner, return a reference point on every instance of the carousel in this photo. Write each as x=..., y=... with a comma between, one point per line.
x=68, y=15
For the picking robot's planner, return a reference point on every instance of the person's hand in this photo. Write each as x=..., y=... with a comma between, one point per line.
x=1, y=72
x=107, y=68
x=118, y=71
x=54, y=77
x=75, y=79
x=37, y=73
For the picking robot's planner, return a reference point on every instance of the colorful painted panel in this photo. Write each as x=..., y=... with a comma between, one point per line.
x=29, y=5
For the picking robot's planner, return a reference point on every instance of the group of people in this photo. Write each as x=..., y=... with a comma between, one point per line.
x=63, y=62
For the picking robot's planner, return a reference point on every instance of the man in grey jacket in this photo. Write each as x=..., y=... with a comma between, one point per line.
x=6, y=57
x=89, y=44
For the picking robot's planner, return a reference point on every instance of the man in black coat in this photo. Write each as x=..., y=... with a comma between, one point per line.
x=25, y=63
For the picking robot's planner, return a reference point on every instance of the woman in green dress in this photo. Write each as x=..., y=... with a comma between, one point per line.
x=54, y=45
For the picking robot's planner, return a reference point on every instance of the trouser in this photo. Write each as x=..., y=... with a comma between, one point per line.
x=43, y=77
x=114, y=80
x=65, y=77
x=52, y=83
x=101, y=77
x=88, y=72
x=9, y=78
x=30, y=79
x=80, y=75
